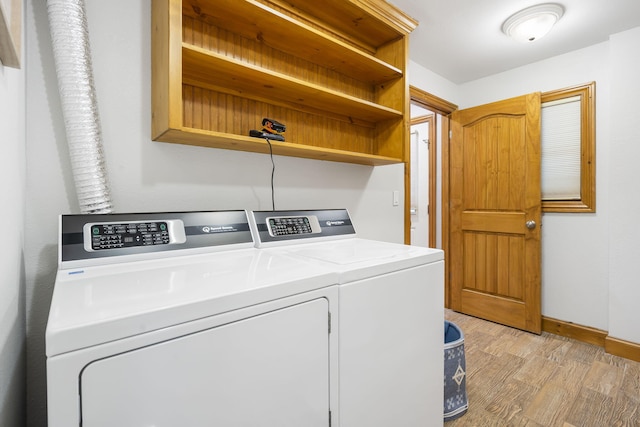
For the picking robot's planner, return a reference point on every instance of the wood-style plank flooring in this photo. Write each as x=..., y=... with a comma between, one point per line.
x=515, y=378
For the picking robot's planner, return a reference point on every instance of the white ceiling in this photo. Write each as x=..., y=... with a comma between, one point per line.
x=461, y=40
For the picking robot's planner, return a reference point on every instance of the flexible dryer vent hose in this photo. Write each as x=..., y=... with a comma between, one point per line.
x=72, y=54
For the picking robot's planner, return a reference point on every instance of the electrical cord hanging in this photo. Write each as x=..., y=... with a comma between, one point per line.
x=273, y=171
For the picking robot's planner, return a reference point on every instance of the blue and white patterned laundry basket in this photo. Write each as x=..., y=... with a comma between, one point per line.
x=455, y=375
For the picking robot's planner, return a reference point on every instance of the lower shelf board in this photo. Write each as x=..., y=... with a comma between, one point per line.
x=203, y=138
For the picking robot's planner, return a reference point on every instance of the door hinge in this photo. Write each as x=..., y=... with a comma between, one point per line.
x=450, y=134
x=329, y=321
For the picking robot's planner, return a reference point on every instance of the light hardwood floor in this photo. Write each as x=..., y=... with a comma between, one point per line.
x=515, y=378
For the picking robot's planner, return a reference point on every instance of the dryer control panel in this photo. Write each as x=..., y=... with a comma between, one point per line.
x=112, y=235
x=98, y=239
x=293, y=225
x=280, y=227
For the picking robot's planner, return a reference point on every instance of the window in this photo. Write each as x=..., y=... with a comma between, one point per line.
x=568, y=150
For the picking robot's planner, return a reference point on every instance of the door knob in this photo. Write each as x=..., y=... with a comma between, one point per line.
x=531, y=224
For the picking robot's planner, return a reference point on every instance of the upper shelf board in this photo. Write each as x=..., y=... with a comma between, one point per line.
x=256, y=21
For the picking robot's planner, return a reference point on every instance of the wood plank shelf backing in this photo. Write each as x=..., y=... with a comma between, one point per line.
x=208, y=69
x=220, y=66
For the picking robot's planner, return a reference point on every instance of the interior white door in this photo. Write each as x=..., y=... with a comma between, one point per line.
x=271, y=370
x=419, y=194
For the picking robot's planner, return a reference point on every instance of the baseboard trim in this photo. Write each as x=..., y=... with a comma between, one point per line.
x=626, y=349
x=577, y=332
x=617, y=347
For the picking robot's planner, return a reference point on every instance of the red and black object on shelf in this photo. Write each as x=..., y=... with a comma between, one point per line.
x=271, y=129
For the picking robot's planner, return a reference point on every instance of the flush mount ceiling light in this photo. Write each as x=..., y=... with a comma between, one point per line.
x=532, y=23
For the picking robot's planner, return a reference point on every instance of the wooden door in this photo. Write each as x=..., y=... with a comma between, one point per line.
x=494, y=212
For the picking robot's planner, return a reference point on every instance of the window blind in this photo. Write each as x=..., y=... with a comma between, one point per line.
x=560, y=141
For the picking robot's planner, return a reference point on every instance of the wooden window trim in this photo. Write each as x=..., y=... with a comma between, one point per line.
x=587, y=202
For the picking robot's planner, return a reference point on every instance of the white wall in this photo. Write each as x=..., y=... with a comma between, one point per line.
x=624, y=267
x=433, y=83
x=12, y=284
x=152, y=176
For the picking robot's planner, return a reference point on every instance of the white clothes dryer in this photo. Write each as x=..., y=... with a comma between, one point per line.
x=175, y=319
x=391, y=315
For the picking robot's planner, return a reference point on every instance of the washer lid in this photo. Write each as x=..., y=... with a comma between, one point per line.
x=111, y=302
x=356, y=258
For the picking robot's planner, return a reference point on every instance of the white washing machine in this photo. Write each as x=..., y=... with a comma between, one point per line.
x=175, y=319
x=391, y=315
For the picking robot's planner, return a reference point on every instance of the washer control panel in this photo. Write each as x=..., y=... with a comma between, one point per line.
x=285, y=227
x=115, y=235
x=293, y=225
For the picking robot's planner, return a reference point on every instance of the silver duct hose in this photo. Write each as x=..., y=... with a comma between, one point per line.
x=72, y=54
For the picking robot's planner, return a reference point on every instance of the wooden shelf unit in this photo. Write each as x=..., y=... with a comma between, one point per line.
x=336, y=78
